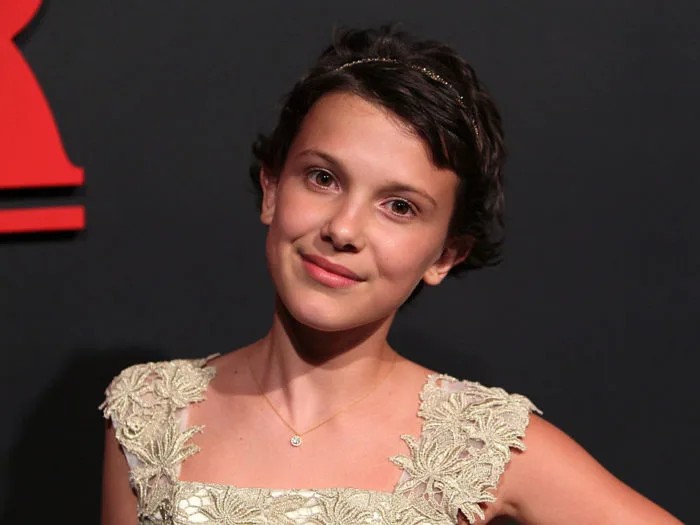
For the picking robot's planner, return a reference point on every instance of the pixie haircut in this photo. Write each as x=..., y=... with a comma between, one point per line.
x=456, y=118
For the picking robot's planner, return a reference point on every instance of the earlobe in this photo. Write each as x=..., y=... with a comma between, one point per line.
x=455, y=251
x=268, y=184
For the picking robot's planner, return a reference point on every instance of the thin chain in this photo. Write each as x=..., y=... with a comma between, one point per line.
x=337, y=412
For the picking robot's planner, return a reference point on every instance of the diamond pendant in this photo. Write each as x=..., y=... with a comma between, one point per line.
x=296, y=441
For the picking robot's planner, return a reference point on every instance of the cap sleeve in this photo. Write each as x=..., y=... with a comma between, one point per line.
x=144, y=403
x=468, y=433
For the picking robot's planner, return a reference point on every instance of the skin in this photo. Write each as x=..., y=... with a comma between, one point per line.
x=359, y=189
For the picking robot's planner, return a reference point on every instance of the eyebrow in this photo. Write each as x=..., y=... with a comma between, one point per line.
x=394, y=186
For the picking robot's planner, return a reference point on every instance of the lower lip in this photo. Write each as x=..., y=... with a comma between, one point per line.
x=333, y=280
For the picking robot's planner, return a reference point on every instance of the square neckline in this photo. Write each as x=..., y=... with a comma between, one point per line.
x=430, y=380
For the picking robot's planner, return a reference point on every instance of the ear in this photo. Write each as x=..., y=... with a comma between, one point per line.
x=454, y=252
x=268, y=182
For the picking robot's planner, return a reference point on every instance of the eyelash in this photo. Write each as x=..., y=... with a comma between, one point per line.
x=316, y=171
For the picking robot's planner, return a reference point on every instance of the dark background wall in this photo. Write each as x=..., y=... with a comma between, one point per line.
x=594, y=313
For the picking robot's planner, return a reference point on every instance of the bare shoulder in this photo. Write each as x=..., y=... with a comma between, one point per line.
x=407, y=380
x=229, y=367
x=411, y=370
x=555, y=480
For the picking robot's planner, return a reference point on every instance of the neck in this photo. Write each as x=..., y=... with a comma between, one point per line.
x=309, y=371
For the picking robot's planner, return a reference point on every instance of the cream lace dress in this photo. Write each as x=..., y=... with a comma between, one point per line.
x=453, y=465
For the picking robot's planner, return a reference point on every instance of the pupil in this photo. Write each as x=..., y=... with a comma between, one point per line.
x=400, y=207
x=323, y=178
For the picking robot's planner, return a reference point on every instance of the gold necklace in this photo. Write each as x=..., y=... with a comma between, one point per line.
x=296, y=440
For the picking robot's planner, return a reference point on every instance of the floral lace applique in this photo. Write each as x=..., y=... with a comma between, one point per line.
x=465, y=445
x=144, y=402
x=452, y=466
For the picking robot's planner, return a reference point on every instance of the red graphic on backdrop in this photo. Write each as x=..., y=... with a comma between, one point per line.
x=31, y=151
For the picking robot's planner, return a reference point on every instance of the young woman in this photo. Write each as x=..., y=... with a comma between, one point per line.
x=383, y=174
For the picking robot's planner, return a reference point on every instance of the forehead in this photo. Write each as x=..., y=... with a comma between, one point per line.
x=369, y=139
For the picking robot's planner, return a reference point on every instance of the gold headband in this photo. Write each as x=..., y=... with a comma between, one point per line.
x=427, y=72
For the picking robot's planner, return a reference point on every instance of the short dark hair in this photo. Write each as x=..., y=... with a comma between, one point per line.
x=459, y=121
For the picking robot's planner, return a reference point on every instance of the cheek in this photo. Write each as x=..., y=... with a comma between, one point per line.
x=407, y=255
x=296, y=213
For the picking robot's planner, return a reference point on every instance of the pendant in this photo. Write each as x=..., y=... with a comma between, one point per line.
x=296, y=441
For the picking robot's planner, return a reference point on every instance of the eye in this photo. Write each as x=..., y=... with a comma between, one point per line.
x=401, y=208
x=321, y=178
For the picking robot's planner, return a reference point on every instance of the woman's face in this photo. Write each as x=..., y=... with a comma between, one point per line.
x=357, y=217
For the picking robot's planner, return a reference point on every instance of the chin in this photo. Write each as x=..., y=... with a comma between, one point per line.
x=322, y=313
x=328, y=314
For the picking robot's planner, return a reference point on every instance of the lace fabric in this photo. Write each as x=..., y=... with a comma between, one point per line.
x=454, y=465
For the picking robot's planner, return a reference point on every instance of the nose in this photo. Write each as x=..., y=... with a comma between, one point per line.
x=345, y=227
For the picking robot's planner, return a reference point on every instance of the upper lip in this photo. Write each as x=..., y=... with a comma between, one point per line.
x=331, y=267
